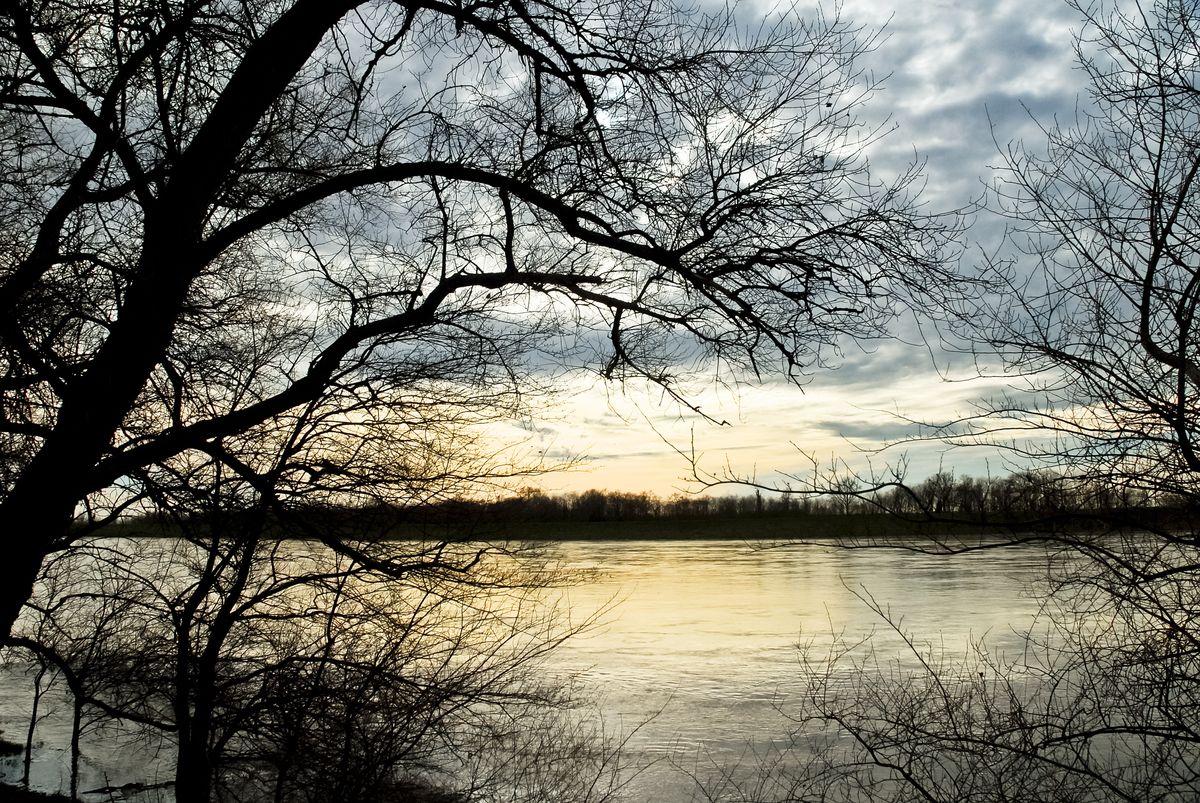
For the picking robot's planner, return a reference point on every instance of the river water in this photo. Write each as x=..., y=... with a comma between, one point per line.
x=704, y=636
x=696, y=647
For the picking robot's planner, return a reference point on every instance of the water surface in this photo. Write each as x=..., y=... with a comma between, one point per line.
x=701, y=646
x=697, y=644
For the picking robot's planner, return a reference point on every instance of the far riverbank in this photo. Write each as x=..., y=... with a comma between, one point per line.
x=767, y=527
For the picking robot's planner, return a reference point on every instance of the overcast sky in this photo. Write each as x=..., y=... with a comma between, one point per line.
x=962, y=75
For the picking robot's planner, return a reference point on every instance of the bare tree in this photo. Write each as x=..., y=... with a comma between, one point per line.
x=217, y=214
x=278, y=636
x=1098, y=308
x=279, y=669
x=1097, y=312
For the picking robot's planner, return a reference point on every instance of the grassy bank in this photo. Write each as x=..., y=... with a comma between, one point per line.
x=474, y=523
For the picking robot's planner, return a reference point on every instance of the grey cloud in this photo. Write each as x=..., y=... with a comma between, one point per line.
x=876, y=364
x=874, y=431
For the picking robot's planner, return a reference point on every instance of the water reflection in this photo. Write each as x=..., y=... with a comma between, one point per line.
x=704, y=636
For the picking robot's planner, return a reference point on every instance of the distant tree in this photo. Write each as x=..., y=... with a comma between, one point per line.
x=844, y=495
x=938, y=493
x=216, y=215
x=591, y=505
x=726, y=505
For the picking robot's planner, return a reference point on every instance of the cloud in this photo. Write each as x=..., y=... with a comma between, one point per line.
x=963, y=78
x=957, y=76
x=877, y=432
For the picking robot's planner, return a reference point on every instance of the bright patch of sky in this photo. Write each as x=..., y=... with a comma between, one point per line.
x=962, y=76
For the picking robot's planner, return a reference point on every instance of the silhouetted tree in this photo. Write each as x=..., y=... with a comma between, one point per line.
x=281, y=640
x=216, y=215
x=1099, y=312
x=279, y=669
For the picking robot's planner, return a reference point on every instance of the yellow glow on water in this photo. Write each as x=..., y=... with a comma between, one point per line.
x=708, y=633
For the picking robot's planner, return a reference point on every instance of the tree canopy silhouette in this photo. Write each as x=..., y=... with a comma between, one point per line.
x=1094, y=315
x=393, y=217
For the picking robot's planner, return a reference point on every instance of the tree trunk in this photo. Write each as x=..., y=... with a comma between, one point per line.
x=33, y=720
x=76, y=725
x=193, y=775
x=31, y=521
x=38, y=511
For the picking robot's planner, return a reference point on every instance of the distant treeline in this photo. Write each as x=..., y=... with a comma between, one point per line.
x=1021, y=495
x=1018, y=498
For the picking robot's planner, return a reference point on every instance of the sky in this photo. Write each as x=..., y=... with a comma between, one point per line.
x=960, y=76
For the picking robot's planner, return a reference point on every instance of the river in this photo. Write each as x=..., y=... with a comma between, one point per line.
x=705, y=635
x=696, y=648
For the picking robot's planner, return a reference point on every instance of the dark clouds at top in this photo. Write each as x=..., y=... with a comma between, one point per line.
x=959, y=76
